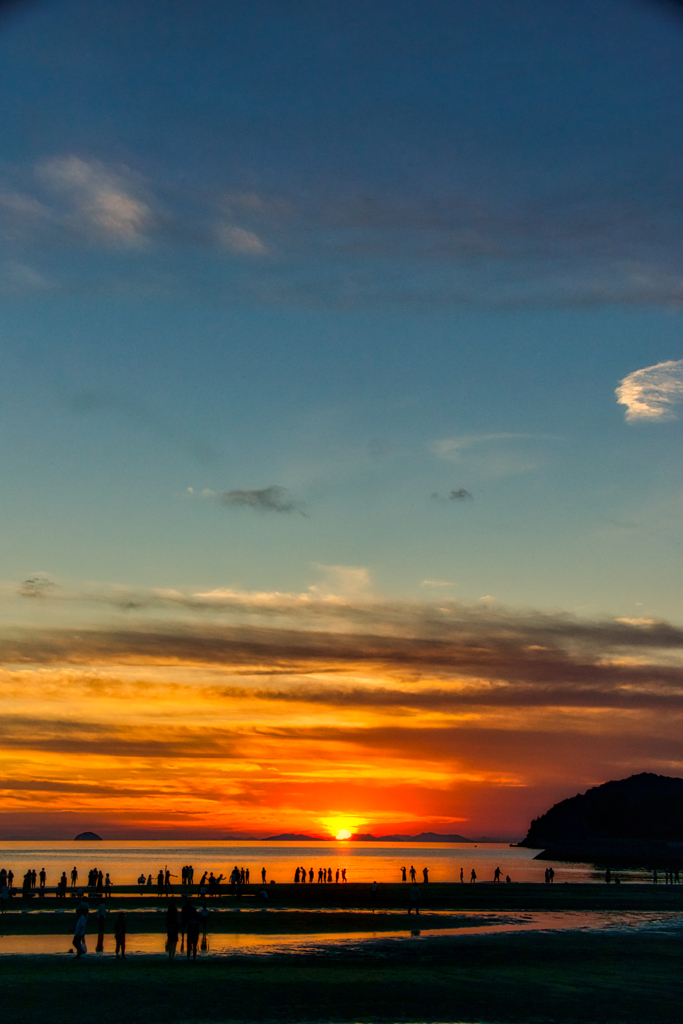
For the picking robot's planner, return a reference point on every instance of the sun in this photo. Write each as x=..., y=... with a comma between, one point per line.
x=343, y=833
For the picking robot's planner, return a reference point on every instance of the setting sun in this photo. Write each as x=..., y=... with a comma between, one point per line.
x=343, y=833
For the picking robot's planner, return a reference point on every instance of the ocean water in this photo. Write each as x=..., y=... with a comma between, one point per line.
x=125, y=860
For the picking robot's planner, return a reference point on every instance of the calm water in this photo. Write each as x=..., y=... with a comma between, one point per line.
x=364, y=862
x=236, y=944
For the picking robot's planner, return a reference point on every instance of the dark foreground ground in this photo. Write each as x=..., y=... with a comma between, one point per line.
x=561, y=977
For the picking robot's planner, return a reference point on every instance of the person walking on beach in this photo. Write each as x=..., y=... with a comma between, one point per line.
x=496, y=875
x=74, y=876
x=79, y=935
x=473, y=876
x=343, y=876
x=120, y=935
x=403, y=875
x=414, y=900
x=263, y=876
x=100, y=914
x=171, y=929
x=192, y=932
x=413, y=874
x=462, y=875
x=204, y=921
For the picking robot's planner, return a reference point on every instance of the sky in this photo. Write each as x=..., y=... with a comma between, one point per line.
x=341, y=397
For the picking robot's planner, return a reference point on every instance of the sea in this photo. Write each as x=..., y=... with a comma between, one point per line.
x=126, y=860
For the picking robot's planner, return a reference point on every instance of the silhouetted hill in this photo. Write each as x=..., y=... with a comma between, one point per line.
x=423, y=837
x=294, y=837
x=88, y=835
x=645, y=808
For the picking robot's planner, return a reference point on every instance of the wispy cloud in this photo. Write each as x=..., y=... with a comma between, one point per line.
x=100, y=200
x=566, y=250
x=241, y=241
x=653, y=392
x=451, y=448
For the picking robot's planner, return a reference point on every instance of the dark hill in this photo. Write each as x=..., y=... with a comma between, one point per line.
x=644, y=808
x=88, y=836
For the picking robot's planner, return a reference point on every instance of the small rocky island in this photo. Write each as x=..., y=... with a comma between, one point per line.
x=635, y=822
x=87, y=836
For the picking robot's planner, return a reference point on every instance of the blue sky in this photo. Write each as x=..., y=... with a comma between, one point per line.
x=248, y=246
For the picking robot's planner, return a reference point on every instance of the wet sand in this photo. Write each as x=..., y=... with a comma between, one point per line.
x=561, y=977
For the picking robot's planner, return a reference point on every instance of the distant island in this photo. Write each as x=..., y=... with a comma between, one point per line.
x=630, y=822
x=88, y=836
x=367, y=837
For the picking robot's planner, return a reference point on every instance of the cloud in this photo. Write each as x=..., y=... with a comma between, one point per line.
x=651, y=393
x=241, y=241
x=460, y=495
x=101, y=200
x=268, y=499
x=451, y=448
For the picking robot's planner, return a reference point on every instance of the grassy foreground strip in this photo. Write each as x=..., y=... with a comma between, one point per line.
x=567, y=978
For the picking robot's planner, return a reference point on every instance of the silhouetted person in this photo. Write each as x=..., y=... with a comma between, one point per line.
x=462, y=874
x=343, y=875
x=473, y=876
x=496, y=875
x=120, y=935
x=297, y=876
x=336, y=877
x=107, y=887
x=311, y=877
x=425, y=875
x=608, y=876
x=160, y=883
x=204, y=922
x=263, y=876
x=172, y=927
x=79, y=935
x=551, y=875
x=329, y=874
x=654, y=876
x=414, y=900
x=413, y=873
x=74, y=876
x=507, y=878
x=100, y=915
x=403, y=875
x=192, y=932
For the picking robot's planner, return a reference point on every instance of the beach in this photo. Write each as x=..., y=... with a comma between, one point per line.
x=537, y=977
x=482, y=952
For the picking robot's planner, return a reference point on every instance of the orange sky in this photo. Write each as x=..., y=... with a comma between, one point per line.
x=206, y=729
